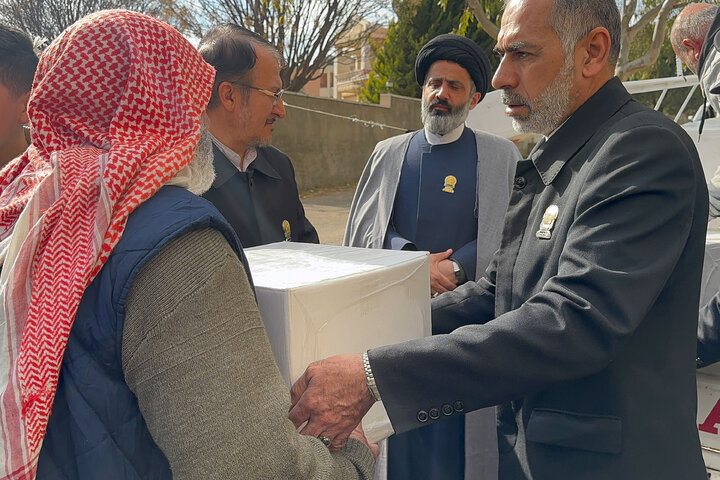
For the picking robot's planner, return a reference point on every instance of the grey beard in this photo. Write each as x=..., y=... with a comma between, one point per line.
x=546, y=112
x=201, y=169
x=259, y=142
x=441, y=123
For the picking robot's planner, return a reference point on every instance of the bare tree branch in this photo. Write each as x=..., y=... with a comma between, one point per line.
x=647, y=18
x=309, y=33
x=626, y=15
x=48, y=18
x=628, y=11
x=625, y=69
x=481, y=16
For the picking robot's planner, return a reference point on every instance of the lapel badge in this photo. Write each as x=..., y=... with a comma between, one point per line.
x=548, y=221
x=450, y=182
x=286, y=230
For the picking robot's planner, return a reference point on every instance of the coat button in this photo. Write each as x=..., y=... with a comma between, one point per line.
x=459, y=406
x=434, y=413
x=447, y=409
x=422, y=416
x=520, y=183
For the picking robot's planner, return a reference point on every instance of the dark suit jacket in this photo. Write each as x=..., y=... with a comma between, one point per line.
x=257, y=202
x=587, y=336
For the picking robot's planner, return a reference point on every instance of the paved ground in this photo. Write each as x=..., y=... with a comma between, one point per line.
x=327, y=210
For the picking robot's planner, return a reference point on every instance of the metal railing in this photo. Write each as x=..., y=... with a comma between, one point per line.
x=663, y=85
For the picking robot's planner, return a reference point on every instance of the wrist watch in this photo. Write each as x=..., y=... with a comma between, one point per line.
x=370, y=378
x=458, y=271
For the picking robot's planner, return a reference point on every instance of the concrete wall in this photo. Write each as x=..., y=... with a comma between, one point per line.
x=330, y=151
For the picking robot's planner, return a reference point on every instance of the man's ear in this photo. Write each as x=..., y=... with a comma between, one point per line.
x=692, y=48
x=24, y=98
x=594, y=51
x=229, y=97
x=477, y=96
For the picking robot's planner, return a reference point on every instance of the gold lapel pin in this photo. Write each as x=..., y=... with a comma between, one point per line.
x=450, y=182
x=286, y=230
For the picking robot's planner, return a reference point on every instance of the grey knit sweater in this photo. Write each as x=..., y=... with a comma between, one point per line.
x=196, y=355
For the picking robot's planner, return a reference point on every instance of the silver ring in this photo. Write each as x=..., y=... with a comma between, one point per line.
x=325, y=440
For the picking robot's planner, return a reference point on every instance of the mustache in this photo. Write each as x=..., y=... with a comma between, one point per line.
x=509, y=97
x=439, y=101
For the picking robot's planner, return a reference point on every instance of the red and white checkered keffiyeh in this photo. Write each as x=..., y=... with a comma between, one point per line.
x=115, y=113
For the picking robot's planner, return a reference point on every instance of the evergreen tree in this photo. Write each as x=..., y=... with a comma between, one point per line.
x=417, y=22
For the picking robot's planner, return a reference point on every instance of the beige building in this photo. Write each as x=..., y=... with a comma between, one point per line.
x=348, y=74
x=323, y=86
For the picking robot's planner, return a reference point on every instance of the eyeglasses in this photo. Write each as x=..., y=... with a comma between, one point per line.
x=276, y=95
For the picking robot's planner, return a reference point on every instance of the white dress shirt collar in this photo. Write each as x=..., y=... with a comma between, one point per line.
x=451, y=136
x=241, y=163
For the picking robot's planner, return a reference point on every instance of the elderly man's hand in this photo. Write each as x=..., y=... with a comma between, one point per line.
x=332, y=396
x=442, y=277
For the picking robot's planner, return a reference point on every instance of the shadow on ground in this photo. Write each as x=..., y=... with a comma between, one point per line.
x=327, y=210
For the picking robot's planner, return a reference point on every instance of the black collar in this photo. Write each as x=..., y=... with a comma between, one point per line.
x=549, y=157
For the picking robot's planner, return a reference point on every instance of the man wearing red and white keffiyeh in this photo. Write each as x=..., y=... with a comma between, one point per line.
x=116, y=117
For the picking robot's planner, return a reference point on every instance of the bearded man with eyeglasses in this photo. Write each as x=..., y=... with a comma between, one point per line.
x=254, y=187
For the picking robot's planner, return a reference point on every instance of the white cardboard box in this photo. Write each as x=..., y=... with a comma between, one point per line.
x=321, y=300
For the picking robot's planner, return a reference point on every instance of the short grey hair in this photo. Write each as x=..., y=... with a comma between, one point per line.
x=573, y=19
x=694, y=26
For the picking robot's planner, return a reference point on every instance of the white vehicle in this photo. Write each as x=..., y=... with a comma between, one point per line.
x=490, y=116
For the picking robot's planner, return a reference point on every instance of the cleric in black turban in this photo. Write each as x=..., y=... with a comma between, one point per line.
x=457, y=49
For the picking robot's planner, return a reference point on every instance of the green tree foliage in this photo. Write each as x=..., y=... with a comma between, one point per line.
x=417, y=22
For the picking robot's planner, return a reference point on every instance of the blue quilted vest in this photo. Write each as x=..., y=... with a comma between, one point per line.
x=96, y=430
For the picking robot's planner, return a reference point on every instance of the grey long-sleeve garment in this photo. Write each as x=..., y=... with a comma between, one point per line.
x=196, y=355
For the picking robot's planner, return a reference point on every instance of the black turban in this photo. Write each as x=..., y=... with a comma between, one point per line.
x=461, y=50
